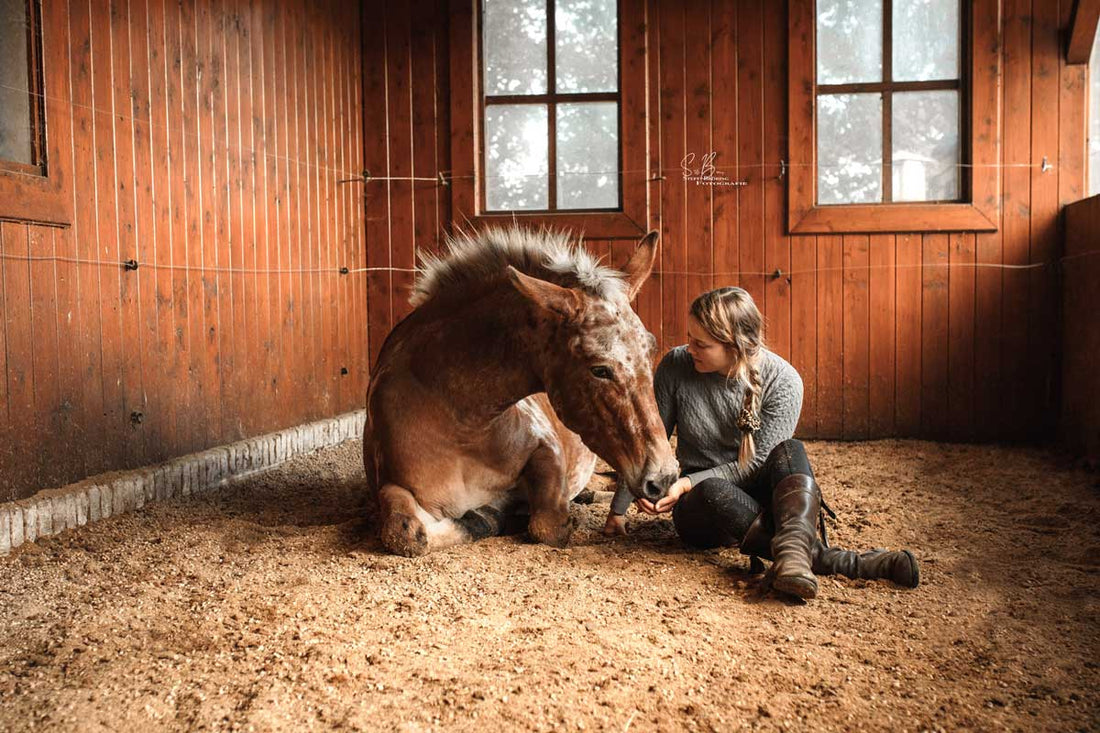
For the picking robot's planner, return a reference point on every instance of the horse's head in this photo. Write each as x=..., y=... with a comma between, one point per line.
x=596, y=367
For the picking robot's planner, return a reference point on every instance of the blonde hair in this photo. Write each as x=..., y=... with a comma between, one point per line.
x=730, y=317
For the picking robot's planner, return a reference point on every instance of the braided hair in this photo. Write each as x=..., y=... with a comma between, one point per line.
x=731, y=318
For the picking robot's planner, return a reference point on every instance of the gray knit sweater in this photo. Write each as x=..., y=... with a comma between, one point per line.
x=703, y=408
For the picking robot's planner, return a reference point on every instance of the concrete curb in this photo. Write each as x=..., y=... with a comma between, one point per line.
x=52, y=511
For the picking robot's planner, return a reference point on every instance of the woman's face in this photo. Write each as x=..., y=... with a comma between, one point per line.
x=707, y=354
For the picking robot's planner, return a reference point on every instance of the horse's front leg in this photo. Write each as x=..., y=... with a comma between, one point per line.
x=547, y=494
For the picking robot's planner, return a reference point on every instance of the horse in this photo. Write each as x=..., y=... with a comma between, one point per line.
x=521, y=360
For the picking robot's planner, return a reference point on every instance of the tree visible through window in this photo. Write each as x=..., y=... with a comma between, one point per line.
x=889, y=101
x=21, y=100
x=550, y=105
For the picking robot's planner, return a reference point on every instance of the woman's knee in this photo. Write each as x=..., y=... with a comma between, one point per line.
x=792, y=447
x=789, y=457
x=695, y=520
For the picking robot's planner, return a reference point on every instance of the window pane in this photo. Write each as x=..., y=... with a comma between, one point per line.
x=587, y=45
x=926, y=40
x=849, y=148
x=849, y=41
x=1094, y=118
x=588, y=156
x=513, y=46
x=925, y=145
x=516, y=154
x=15, y=98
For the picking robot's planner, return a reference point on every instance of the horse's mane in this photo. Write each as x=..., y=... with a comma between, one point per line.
x=473, y=260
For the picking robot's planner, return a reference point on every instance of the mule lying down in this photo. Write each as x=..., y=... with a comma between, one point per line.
x=521, y=357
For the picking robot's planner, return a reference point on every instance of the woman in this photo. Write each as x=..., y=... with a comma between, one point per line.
x=746, y=482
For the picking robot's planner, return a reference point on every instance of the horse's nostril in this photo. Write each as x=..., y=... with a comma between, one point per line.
x=653, y=490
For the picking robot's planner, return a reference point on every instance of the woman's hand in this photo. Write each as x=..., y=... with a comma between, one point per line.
x=615, y=526
x=677, y=490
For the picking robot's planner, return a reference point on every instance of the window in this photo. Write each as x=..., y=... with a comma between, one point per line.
x=1094, y=117
x=34, y=112
x=884, y=119
x=547, y=111
x=888, y=101
x=21, y=92
x=550, y=117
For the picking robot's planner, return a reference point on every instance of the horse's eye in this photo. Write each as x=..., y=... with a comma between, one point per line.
x=602, y=372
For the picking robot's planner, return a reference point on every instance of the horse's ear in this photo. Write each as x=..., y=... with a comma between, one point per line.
x=546, y=295
x=641, y=263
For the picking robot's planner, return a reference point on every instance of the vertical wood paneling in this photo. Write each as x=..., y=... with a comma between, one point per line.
x=398, y=46
x=124, y=183
x=804, y=328
x=19, y=341
x=1043, y=315
x=377, y=193
x=830, y=336
x=896, y=372
x=750, y=146
x=207, y=141
x=725, y=73
x=231, y=222
x=882, y=343
x=673, y=86
x=857, y=337
x=777, y=254
x=697, y=232
x=43, y=329
x=907, y=283
x=650, y=301
x=960, y=398
x=935, y=320
x=155, y=413
x=1016, y=385
x=211, y=135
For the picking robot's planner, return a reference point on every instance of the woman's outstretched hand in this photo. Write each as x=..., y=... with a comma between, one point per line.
x=677, y=490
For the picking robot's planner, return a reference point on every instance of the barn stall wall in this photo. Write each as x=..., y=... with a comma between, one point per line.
x=208, y=139
x=896, y=334
x=1080, y=426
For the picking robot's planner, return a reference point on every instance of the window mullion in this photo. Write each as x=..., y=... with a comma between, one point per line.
x=552, y=107
x=887, y=101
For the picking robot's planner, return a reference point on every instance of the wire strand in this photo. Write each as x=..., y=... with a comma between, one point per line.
x=134, y=265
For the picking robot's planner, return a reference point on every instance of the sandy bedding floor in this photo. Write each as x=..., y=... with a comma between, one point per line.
x=266, y=605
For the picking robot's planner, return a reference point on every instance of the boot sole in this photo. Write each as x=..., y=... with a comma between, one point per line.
x=916, y=570
x=795, y=585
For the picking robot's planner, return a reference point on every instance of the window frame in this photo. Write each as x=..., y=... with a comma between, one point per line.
x=467, y=160
x=42, y=194
x=979, y=135
x=37, y=112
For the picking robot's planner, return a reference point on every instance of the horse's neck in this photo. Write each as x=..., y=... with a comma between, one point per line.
x=481, y=356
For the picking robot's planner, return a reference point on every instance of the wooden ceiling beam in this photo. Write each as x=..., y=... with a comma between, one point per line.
x=1086, y=13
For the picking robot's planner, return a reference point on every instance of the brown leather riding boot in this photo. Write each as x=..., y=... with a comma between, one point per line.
x=899, y=566
x=796, y=504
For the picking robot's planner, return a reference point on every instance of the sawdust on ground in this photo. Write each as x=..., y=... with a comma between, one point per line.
x=266, y=605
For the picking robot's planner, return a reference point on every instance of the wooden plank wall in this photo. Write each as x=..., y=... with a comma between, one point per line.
x=894, y=334
x=1080, y=427
x=208, y=140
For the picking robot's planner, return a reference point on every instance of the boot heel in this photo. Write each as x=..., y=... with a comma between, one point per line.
x=796, y=585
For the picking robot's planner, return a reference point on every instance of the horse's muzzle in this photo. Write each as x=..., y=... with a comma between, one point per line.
x=653, y=491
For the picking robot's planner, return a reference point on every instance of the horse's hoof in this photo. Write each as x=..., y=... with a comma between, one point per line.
x=405, y=535
x=553, y=532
